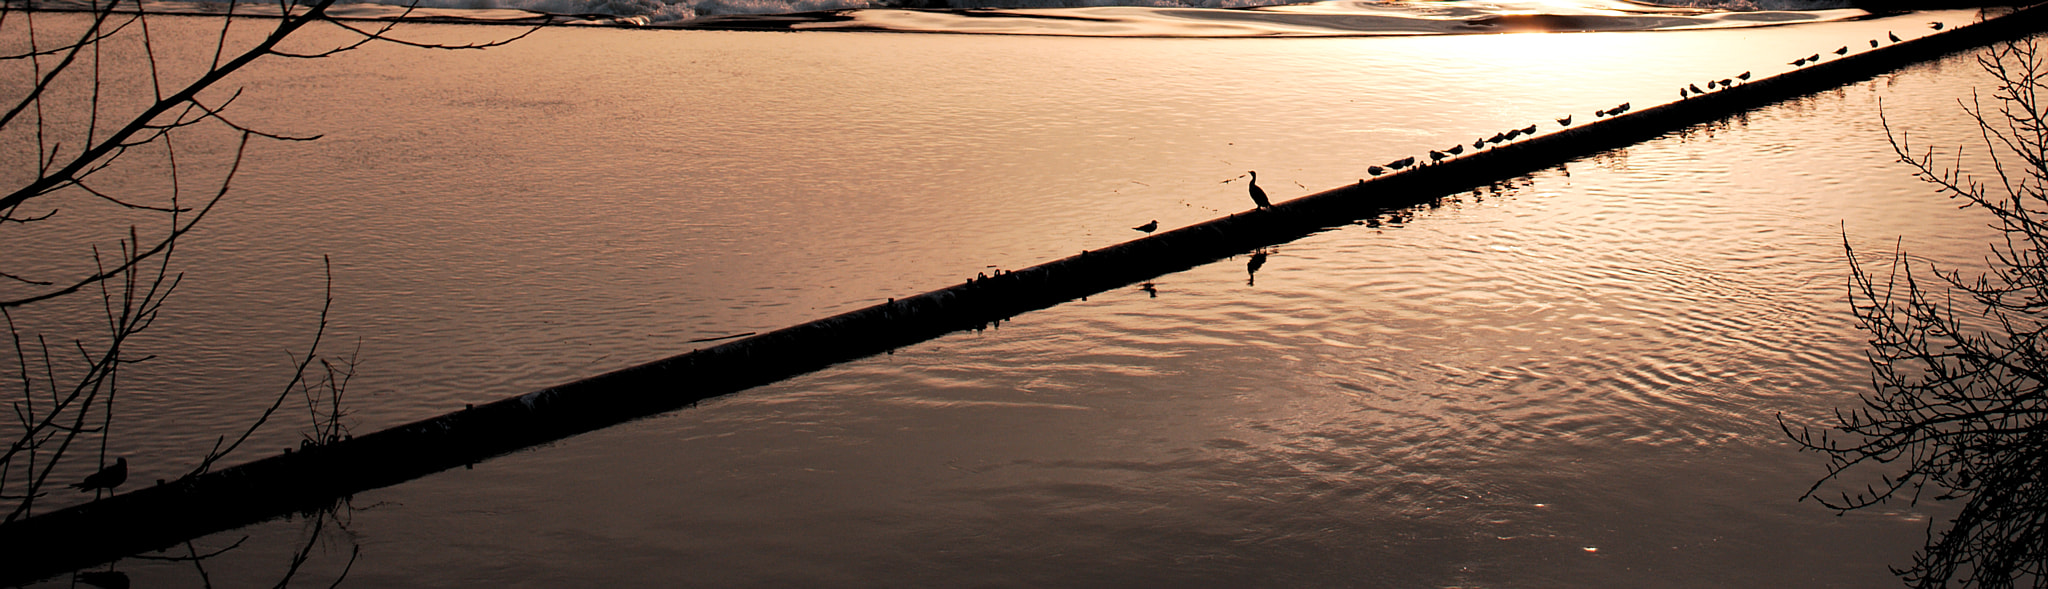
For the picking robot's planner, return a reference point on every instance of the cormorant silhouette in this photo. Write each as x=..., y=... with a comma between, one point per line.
x=106, y=478
x=1148, y=227
x=1259, y=194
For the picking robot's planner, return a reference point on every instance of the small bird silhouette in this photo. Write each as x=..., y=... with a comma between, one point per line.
x=1259, y=194
x=1498, y=138
x=1512, y=134
x=1565, y=122
x=1815, y=58
x=1402, y=163
x=1375, y=170
x=1696, y=89
x=1727, y=83
x=1456, y=149
x=1619, y=109
x=1873, y=43
x=1150, y=289
x=1712, y=83
x=1437, y=156
x=1683, y=94
x=1895, y=38
x=1744, y=76
x=1936, y=26
x=1529, y=130
x=1843, y=51
x=1148, y=227
x=1799, y=62
x=1480, y=143
x=106, y=478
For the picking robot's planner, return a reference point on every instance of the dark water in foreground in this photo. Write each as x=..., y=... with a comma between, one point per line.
x=1567, y=381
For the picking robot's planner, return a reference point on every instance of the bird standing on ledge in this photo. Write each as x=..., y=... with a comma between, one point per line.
x=1259, y=194
x=1148, y=227
x=106, y=478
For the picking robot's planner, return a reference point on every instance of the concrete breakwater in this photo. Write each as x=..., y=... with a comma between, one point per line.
x=308, y=479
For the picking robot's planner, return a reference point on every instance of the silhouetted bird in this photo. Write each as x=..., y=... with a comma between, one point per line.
x=1457, y=149
x=1258, y=194
x=1375, y=170
x=1621, y=109
x=1148, y=227
x=1512, y=134
x=1696, y=89
x=1744, y=76
x=1402, y=163
x=1437, y=156
x=1895, y=38
x=1711, y=83
x=1150, y=289
x=1815, y=58
x=1565, y=122
x=1843, y=51
x=1936, y=26
x=1480, y=143
x=1873, y=43
x=106, y=478
x=1529, y=130
x=103, y=579
x=1498, y=138
x=1727, y=83
x=1799, y=62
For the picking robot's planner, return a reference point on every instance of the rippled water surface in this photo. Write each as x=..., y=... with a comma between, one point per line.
x=1571, y=379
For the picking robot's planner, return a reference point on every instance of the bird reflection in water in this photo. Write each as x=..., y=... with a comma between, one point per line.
x=1251, y=268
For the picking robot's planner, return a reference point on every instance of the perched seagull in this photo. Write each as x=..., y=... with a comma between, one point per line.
x=1258, y=194
x=1843, y=51
x=1457, y=149
x=1895, y=38
x=1375, y=170
x=1696, y=88
x=1148, y=227
x=106, y=478
x=1744, y=76
x=1437, y=156
x=1567, y=120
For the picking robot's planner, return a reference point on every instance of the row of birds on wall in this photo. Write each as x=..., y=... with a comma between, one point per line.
x=1689, y=90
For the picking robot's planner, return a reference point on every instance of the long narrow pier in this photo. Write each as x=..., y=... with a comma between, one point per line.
x=160, y=516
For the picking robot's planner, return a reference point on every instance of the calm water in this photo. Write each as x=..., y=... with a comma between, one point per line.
x=1569, y=380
